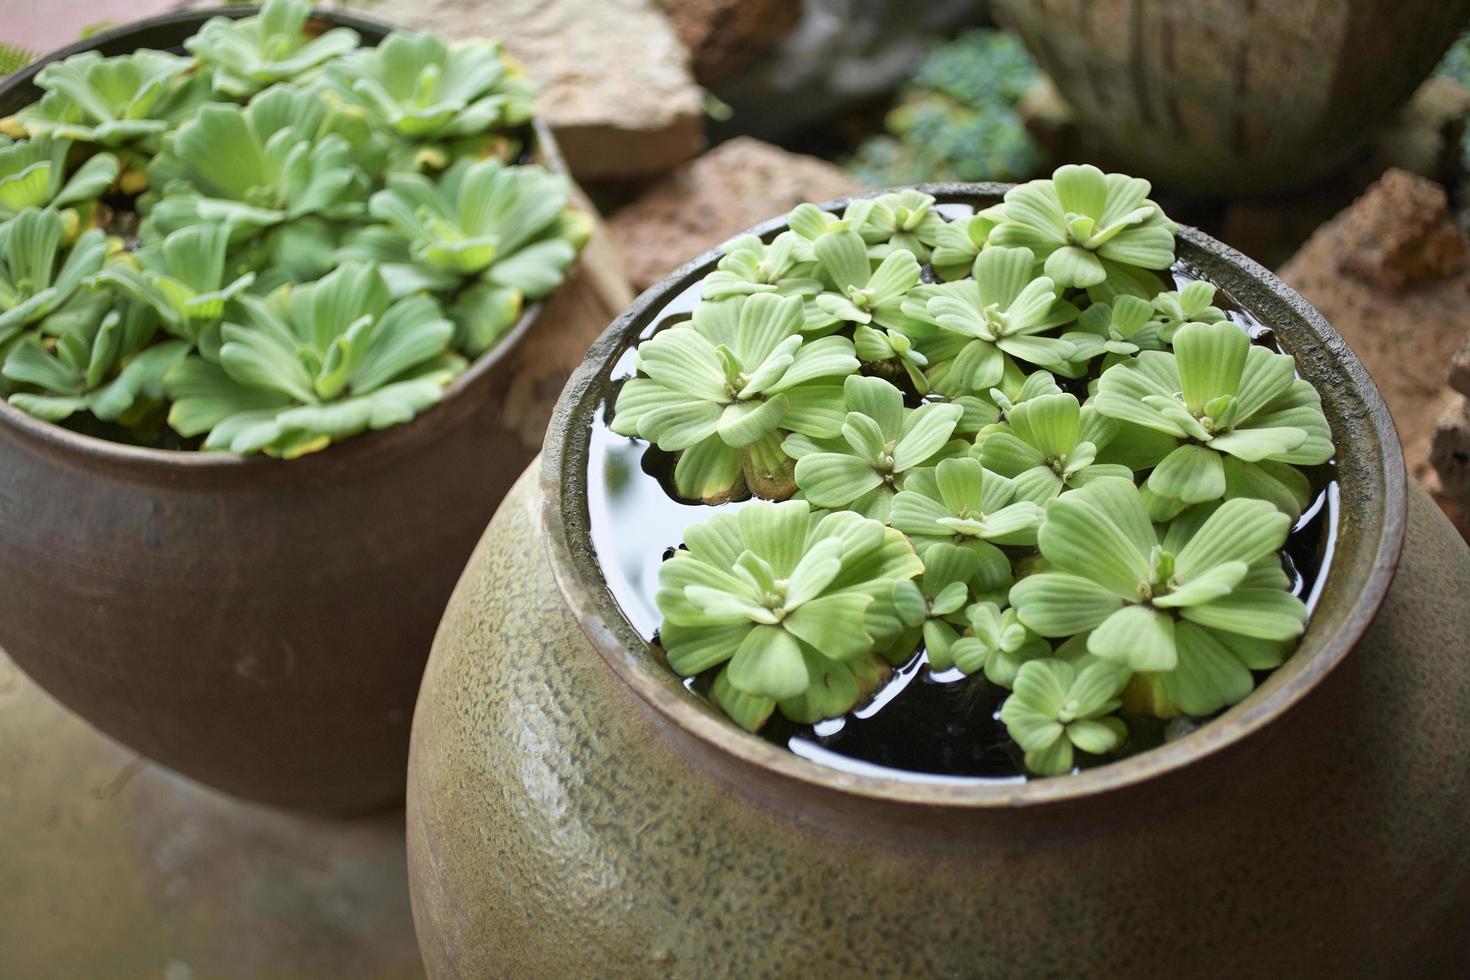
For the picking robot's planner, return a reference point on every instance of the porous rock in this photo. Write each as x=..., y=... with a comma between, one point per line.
x=737, y=184
x=1400, y=232
x=1389, y=274
x=723, y=35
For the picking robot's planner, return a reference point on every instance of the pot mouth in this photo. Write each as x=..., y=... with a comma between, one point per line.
x=1370, y=534
x=167, y=31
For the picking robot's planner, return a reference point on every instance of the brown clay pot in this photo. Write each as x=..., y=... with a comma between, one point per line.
x=261, y=625
x=573, y=811
x=1220, y=97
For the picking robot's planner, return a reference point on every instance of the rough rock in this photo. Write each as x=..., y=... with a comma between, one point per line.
x=1401, y=233
x=615, y=85
x=722, y=35
x=1406, y=336
x=1460, y=369
x=1450, y=450
x=842, y=54
x=1426, y=137
x=735, y=185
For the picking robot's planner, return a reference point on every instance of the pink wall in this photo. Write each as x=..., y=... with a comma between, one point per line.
x=41, y=25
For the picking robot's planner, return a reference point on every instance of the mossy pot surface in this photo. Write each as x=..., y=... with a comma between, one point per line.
x=257, y=624
x=573, y=810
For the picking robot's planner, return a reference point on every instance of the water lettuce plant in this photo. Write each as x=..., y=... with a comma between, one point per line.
x=274, y=242
x=725, y=387
x=1086, y=479
x=39, y=275
x=1047, y=444
x=315, y=363
x=1090, y=230
x=248, y=54
x=126, y=101
x=776, y=597
x=437, y=98
x=1057, y=709
x=33, y=174
x=1191, y=303
x=1002, y=315
x=494, y=235
x=1240, y=417
x=880, y=444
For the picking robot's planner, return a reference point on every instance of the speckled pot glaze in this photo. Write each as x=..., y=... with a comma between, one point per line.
x=574, y=812
x=261, y=625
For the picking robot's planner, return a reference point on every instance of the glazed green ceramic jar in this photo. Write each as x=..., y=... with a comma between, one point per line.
x=573, y=811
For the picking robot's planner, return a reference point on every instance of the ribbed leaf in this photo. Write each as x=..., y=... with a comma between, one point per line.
x=925, y=433
x=1137, y=637
x=1192, y=474
x=1060, y=604
x=768, y=663
x=835, y=479
x=1210, y=358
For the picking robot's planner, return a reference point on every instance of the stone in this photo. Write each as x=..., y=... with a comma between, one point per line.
x=841, y=55
x=1401, y=232
x=112, y=866
x=1460, y=369
x=615, y=85
x=723, y=35
x=1426, y=137
x=737, y=184
x=1449, y=453
x=1380, y=273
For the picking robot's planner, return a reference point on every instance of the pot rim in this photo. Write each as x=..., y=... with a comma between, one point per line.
x=150, y=461
x=1322, y=356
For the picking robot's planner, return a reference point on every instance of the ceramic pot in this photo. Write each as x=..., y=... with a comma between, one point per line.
x=573, y=811
x=1231, y=97
x=260, y=625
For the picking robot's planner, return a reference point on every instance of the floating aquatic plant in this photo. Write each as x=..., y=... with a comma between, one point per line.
x=1003, y=315
x=1056, y=710
x=248, y=54
x=1048, y=444
x=174, y=231
x=776, y=597
x=879, y=445
x=1241, y=418
x=1171, y=606
x=33, y=174
x=1096, y=477
x=997, y=643
x=314, y=364
x=496, y=236
x=184, y=280
x=1090, y=229
x=724, y=388
x=38, y=274
x=431, y=93
x=124, y=101
x=1194, y=303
